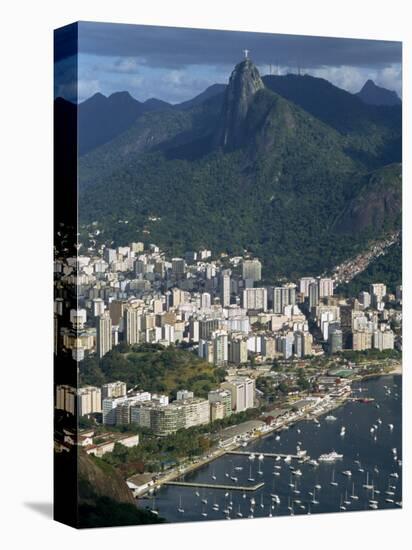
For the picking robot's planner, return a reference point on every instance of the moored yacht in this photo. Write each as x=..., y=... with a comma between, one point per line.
x=330, y=457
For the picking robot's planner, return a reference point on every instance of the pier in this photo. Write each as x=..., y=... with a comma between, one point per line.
x=216, y=486
x=269, y=455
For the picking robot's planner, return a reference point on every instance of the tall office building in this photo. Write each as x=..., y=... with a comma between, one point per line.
x=116, y=308
x=207, y=326
x=178, y=266
x=109, y=406
x=255, y=298
x=132, y=319
x=89, y=400
x=383, y=339
x=361, y=340
x=252, y=270
x=335, y=338
x=194, y=330
x=304, y=283
x=205, y=300
x=313, y=295
x=225, y=289
x=285, y=344
x=238, y=350
x=220, y=348
x=325, y=287
x=283, y=296
x=104, y=334
x=242, y=392
x=298, y=344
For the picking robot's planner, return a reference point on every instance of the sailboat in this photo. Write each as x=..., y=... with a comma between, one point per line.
x=239, y=513
x=333, y=482
x=367, y=485
x=234, y=478
x=215, y=505
x=342, y=506
x=261, y=501
x=346, y=501
x=373, y=503
x=259, y=469
x=295, y=489
x=250, y=474
x=390, y=490
x=204, y=513
x=226, y=509
x=291, y=483
x=153, y=510
x=204, y=499
x=314, y=501
x=213, y=474
x=353, y=496
x=180, y=508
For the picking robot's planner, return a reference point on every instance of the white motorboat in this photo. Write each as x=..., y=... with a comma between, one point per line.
x=330, y=457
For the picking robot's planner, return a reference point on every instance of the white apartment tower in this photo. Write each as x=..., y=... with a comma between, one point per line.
x=104, y=334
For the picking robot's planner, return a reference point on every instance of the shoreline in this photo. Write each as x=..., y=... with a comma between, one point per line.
x=308, y=416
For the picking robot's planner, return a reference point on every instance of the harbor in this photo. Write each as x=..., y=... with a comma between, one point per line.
x=268, y=477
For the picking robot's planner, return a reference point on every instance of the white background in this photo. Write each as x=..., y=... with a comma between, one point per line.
x=26, y=256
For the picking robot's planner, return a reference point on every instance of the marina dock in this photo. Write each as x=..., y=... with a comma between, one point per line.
x=217, y=486
x=269, y=455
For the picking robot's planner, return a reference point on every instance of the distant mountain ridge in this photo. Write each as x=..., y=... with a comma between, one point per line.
x=275, y=165
x=103, y=118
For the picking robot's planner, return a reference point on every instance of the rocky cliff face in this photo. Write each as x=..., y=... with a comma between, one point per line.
x=378, y=205
x=103, y=481
x=104, y=499
x=244, y=82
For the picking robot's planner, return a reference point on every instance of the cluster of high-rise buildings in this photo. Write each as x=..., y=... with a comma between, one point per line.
x=136, y=295
x=119, y=407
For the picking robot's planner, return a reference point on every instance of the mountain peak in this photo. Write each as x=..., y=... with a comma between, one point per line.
x=373, y=94
x=244, y=82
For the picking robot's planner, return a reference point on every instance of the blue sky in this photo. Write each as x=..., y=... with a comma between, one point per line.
x=176, y=64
